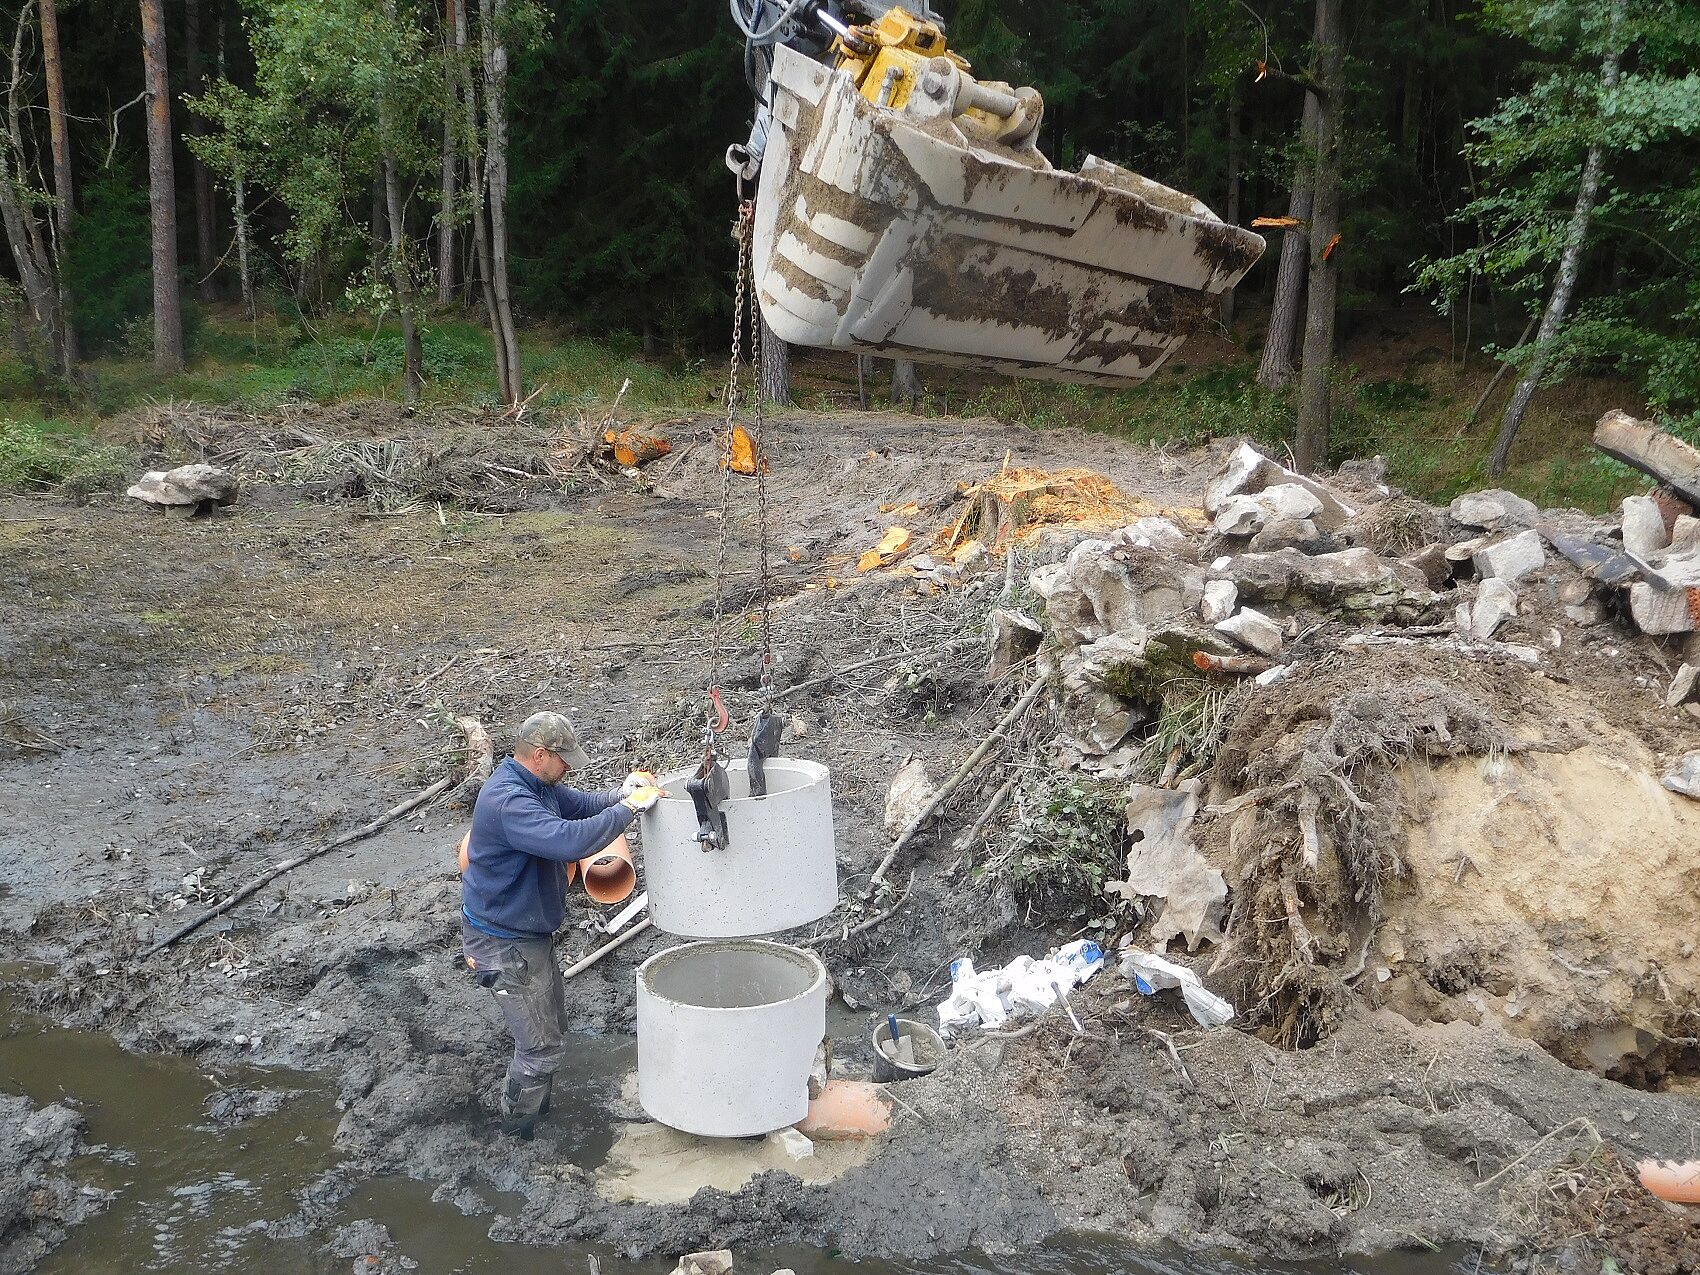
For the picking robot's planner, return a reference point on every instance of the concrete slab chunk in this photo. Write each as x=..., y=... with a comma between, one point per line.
x=1220, y=597
x=1254, y=631
x=1643, y=527
x=1493, y=510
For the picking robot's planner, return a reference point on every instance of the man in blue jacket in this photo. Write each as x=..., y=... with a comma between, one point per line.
x=527, y=827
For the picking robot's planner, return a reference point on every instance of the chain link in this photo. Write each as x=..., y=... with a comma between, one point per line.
x=746, y=214
x=762, y=549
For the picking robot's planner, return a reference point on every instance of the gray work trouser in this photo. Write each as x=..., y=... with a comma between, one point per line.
x=525, y=979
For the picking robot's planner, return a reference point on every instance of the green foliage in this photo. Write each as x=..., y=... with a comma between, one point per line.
x=107, y=268
x=1642, y=320
x=1067, y=839
x=33, y=458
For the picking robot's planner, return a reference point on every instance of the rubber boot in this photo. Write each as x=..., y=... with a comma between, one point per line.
x=523, y=1103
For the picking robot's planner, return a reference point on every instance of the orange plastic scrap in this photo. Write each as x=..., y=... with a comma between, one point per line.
x=744, y=459
x=893, y=543
x=631, y=447
x=1678, y=1182
x=847, y=1109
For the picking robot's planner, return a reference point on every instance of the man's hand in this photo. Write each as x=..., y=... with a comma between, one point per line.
x=637, y=779
x=641, y=799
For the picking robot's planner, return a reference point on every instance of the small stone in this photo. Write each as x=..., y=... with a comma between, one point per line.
x=714, y=1262
x=1682, y=685
x=1575, y=592
x=1626, y=1114
x=1241, y=516
x=1220, y=597
x=1254, y=631
x=1592, y=611
x=1684, y=778
x=792, y=1143
x=1493, y=510
x=1512, y=558
x=1496, y=602
x=1431, y=561
x=1685, y=534
x=1643, y=527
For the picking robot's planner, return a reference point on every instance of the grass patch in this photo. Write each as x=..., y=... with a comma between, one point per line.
x=37, y=456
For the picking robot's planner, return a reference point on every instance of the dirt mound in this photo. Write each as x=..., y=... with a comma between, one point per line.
x=1555, y=895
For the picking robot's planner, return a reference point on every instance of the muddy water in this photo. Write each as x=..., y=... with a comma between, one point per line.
x=195, y=1196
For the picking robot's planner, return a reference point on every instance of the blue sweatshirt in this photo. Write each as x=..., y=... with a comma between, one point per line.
x=524, y=834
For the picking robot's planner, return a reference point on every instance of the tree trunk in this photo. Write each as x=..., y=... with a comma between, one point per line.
x=475, y=186
x=401, y=274
x=1569, y=266
x=905, y=384
x=1316, y=372
x=1234, y=183
x=864, y=374
x=53, y=69
x=451, y=164
x=244, y=272
x=162, y=194
x=493, y=15
x=1275, y=370
x=206, y=252
x=17, y=214
x=775, y=370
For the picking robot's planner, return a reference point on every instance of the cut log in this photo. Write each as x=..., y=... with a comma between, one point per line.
x=1652, y=451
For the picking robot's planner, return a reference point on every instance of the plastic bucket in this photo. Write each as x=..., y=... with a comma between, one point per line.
x=929, y=1050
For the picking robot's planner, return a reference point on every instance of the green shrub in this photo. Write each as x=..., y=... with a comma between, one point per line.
x=33, y=458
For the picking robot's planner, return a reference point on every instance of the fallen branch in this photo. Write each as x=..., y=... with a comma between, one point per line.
x=579, y=967
x=1000, y=799
x=481, y=763
x=1168, y=1042
x=991, y=741
x=1536, y=1146
x=880, y=917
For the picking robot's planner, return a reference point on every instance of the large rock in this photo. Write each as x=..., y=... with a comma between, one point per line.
x=187, y=485
x=1684, y=777
x=1643, y=527
x=1512, y=558
x=1495, y=604
x=1014, y=638
x=1104, y=587
x=1248, y=471
x=1493, y=510
x=1286, y=533
x=1246, y=515
x=1350, y=580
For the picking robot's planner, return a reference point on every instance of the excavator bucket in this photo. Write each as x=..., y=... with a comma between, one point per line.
x=922, y=235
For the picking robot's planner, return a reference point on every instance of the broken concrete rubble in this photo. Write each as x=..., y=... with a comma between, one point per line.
x=1682, y=686
x=1286, y=533
x=1254, y=631
x=1512, y=558
x=1495, y=603
x=1105, y=587
x=1220, y=598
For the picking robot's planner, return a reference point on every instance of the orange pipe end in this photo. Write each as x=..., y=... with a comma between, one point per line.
x=610, y=877
x=1670, y=1180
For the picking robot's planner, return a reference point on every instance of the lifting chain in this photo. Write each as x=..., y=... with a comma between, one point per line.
x=745, y=312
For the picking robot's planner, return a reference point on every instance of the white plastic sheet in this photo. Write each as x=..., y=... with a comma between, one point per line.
x=1151, y=973
x=1024, y=986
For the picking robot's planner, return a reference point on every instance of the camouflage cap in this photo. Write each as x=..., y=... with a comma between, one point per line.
x=554, y=732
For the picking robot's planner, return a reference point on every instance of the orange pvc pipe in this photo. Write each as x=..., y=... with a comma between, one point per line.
x=609, y=877
x=1678, y=1182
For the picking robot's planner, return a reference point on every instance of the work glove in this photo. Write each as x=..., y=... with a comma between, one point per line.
x=641, y=799
x=637, y=779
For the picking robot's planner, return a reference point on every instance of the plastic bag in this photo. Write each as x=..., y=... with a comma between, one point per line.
x=1151, y=973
